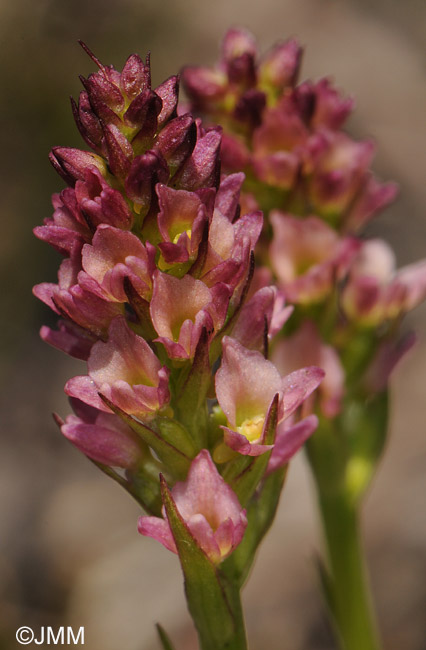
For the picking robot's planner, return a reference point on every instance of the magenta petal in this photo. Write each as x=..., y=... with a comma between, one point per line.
x=204, y=535
x=228, y=195
x=85, y=389
x=289, y=440
x=69, y=338
x=298, y=386
x=103, y=441
x=158, y=529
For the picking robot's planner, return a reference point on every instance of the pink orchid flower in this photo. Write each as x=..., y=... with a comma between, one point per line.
x=308, y=256
x=209, y=508
x=376, y=291
x=114, y=255
x=246, y=384
x=126, y=371
x=180, y=309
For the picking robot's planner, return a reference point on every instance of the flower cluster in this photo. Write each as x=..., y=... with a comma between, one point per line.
x=154, y=293
x=286, y=136
x=313, y=182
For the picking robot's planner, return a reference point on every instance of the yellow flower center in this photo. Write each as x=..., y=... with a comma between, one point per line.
x=176, y=237
x=252, y=428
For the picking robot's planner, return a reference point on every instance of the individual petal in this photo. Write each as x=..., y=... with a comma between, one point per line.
x=158, y=529
x=262, y=316
x=280, y=67
x=107, y=440
x=297, y=386
x=289, y=439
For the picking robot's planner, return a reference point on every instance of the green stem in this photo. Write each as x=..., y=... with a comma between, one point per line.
x=349, y=590
x=238, y=639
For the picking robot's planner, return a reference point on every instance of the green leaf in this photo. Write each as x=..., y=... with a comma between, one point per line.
x=205, y=594
x=260, y=514
x=165, y=641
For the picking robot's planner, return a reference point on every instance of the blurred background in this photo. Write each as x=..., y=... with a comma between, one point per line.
x=69, y=550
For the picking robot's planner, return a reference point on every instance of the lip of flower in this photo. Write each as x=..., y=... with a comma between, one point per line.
x=126, y=371
x=209, y=508
x=246, y=384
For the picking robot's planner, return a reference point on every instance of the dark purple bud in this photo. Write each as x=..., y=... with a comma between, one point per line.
x=87, y=122
x=305, y=99
x=120, y=152
x=134, y=76
x=202, y=169
x=71, y=163
x=177, y=140
x=250, y=107
x=103, y=112
x=115, y=209
x=146, y=171
x=100, y=89
x=143, y=112
x=168, y=92
x=242, y=70
x=239, y=53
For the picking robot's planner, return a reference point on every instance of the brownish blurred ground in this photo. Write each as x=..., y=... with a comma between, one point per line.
x=70, y=553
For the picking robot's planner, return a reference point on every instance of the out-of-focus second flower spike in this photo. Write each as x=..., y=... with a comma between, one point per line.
x=279, y=68
x=208, y=507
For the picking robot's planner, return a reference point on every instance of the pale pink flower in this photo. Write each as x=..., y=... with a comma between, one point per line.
x=126, y=371
x=308, y=256
x=246, y=384
x=209, y=508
